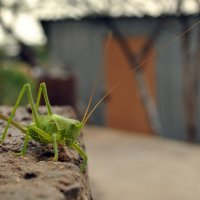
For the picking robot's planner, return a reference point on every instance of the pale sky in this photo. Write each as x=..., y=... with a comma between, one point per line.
x=26, y=27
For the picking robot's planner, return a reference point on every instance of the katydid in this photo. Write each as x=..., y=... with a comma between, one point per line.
x=46, y=129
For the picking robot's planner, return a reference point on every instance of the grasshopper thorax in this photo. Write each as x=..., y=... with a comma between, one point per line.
x=67, y=130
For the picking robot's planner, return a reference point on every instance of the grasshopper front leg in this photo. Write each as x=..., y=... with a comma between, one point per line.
x=83, y=155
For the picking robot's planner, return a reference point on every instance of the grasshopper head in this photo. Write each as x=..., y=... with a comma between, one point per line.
x=78, y=124
x=72, y=131
x=75, y=128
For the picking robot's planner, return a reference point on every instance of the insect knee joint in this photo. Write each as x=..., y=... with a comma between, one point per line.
x=43, y=84
x=27, y=85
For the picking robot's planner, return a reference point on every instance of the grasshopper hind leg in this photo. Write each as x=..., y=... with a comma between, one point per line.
x=43, y=90
x=25, y=88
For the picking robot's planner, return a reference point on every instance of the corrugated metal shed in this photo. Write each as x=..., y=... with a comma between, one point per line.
x=88, y=47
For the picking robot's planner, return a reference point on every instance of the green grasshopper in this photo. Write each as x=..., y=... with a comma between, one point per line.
x=47, y=129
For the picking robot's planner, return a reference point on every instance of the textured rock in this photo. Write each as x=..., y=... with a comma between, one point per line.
x=36, y=175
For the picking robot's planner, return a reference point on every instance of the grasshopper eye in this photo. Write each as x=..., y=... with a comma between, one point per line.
x=79, y=125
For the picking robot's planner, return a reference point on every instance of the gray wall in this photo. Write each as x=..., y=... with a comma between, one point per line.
x=80, y=45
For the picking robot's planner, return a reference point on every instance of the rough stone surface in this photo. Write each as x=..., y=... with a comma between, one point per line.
x=36, y=175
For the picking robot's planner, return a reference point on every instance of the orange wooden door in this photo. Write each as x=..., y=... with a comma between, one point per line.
x=125, y=109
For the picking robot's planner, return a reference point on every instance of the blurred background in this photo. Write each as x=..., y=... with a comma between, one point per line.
x=143, y=139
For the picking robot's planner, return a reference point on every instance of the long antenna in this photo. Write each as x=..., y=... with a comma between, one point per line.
x=138, y=67
x=90, y=100
x=95, y=85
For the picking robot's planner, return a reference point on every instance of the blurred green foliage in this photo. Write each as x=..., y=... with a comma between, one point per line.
x=12, y=78
x=42, y=54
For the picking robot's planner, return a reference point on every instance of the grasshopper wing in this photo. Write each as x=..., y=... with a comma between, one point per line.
x=61, y=122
